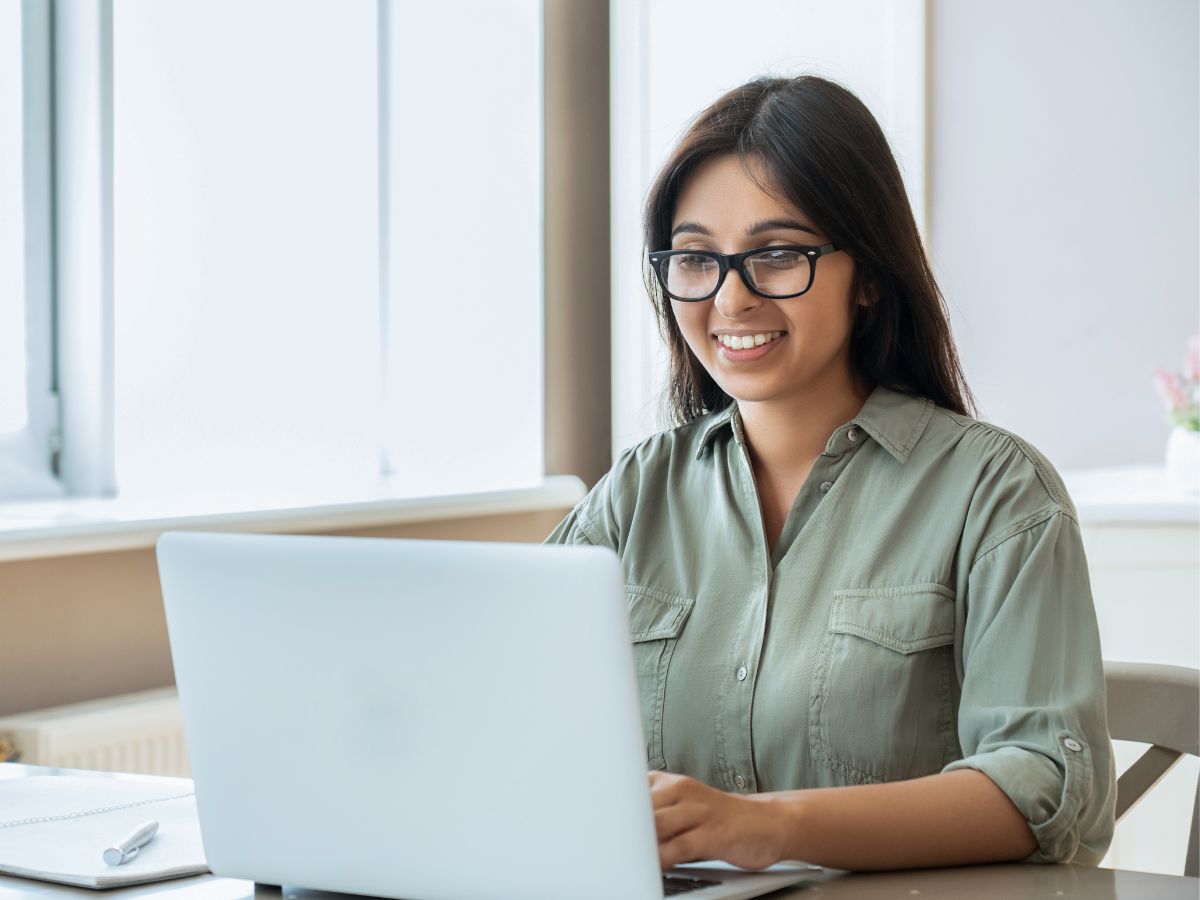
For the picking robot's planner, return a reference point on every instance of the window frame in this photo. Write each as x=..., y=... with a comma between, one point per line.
x=30, y=454
x=83, y=244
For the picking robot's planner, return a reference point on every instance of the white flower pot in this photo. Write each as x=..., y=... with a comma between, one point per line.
x=1183, y=460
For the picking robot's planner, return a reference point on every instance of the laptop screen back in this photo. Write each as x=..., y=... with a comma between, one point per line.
x=411, y=718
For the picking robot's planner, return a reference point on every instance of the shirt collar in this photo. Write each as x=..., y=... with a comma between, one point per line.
x=727, y=417
x=895, y=420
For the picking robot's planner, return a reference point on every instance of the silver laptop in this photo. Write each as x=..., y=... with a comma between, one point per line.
x=419, y=719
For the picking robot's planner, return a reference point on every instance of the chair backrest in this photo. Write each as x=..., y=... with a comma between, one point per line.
x=1156, y=705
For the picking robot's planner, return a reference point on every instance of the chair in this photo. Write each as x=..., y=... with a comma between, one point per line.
x=1158, y=705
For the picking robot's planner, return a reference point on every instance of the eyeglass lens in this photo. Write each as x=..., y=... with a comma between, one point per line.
x=774, y=272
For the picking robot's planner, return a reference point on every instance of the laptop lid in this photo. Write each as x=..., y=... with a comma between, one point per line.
x=411, y=718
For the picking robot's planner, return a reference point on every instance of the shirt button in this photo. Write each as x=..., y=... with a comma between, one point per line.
x=1072, y=744
x=825, y=486
x=853, y=434
x=739, y=780
x=741, y=673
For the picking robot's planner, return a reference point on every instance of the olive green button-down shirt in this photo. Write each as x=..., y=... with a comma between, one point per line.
x=927, y=608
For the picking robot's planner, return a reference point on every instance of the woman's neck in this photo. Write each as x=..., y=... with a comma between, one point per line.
x=786, y=434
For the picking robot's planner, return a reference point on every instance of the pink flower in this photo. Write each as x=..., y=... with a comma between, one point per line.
x=1170, y=388
x=1191, y=362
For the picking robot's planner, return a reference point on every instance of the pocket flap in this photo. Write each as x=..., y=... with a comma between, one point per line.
x=655, y=614
x=905, y=619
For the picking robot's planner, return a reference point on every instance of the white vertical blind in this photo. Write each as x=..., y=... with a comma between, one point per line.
x=279, y=335
x=28, y=410
x=464, y=308
x=13, y=359
x=246, y=307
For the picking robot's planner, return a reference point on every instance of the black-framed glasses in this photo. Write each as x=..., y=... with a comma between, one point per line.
x=777, y=273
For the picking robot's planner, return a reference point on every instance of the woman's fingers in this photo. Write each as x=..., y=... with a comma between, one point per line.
x=670, y=821
x=667, y=788
x=694, y=821
x=685, y=847
x=681, y=817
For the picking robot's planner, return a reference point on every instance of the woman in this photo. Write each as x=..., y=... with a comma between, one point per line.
x=862, y=622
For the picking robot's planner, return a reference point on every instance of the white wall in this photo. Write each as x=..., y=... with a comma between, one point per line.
x=1063, y=212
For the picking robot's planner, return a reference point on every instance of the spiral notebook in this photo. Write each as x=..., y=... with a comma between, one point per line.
x=56, y=828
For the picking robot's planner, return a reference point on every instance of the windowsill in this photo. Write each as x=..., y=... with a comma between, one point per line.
x=33, y=529
x=1135, y=495
x=1129, y=495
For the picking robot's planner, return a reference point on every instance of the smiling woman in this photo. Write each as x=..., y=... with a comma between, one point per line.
x=851, y=596
x=792, y=172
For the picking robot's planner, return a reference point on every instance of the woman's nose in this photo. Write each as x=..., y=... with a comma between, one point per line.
x=734, y=298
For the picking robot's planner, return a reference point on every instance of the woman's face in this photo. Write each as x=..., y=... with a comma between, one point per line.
x=721, y=208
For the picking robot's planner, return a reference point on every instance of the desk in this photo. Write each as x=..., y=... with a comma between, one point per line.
x=999, y=882
x=1003, y=882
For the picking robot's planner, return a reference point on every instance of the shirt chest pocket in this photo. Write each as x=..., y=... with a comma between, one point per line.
x=881, y=707
x=656, y=620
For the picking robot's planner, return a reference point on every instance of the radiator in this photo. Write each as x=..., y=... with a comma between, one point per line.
x=140, y=733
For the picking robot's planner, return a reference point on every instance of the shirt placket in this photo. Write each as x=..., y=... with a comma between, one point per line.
x=737, y=752
x=825, y=472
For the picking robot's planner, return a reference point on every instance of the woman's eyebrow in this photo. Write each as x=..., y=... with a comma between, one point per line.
x=755, y=229
x=776, y=224
x=690, y=228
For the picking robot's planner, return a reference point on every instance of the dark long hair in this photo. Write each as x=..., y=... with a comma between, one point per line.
x=823, y=151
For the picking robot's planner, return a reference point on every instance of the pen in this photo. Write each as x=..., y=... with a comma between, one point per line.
x=128, y=848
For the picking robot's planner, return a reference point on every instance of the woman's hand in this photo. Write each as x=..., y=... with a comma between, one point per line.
x=695, y=821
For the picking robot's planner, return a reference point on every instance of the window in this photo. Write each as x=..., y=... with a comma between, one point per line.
x=323, y=278
x=464, y=312
x=245, y=319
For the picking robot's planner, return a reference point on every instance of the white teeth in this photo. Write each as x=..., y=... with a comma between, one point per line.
x=743, y=342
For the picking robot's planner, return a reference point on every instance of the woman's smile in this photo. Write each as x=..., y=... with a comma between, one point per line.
x=745, y=346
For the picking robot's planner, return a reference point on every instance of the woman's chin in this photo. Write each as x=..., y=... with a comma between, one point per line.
x=745, y=390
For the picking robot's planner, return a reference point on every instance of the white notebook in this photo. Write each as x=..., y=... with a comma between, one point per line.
x=56, y=828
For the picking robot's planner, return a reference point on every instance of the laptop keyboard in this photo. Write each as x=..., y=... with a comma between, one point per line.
x=681, y=884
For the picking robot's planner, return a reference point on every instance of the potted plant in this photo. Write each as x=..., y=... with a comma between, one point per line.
x=1180, y=393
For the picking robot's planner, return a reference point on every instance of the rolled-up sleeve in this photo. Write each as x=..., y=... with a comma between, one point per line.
x=1032, y=710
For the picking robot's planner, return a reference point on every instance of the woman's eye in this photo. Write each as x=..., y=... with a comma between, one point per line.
x=692, y=261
